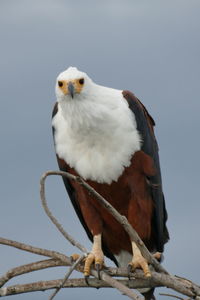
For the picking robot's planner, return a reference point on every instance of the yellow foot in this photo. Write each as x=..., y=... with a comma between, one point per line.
x=138, y=261
x=95, y=256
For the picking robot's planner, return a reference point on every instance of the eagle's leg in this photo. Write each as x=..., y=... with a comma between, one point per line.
x=95, y=256
x=138, y=261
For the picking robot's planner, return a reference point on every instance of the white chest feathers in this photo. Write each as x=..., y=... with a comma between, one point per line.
x=97, y=135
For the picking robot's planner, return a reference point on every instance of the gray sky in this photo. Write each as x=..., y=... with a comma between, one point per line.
x=149, y=47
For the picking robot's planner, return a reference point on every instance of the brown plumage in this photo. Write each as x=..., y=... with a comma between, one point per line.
x=129, y=195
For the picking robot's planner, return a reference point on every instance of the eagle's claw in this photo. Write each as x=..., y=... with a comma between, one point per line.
x=86, y=279
x=139, y=262
x=129, y=269
x=95, y=257
x=98, y=268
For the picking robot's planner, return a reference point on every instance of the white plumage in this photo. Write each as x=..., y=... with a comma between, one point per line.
x=95, y=131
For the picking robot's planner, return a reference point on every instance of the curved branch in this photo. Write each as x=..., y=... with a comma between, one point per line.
x=104, y=276
x=52, y=218
x=121, y=219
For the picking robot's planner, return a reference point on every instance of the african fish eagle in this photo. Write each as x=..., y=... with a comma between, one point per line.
x=106, y=136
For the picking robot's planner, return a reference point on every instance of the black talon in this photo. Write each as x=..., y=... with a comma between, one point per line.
x=86, y=279
x=98, y=268
x=129, y=269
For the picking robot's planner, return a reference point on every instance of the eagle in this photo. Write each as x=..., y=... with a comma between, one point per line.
x=106, y=136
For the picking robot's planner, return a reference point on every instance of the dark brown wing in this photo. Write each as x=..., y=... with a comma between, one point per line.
x=145, y=125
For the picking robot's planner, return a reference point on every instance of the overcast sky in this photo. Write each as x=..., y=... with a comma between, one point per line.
x=149, y=47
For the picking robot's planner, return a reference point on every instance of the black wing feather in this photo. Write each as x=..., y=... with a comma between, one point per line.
x=145, y=125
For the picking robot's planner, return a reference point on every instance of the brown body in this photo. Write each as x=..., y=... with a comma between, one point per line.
x=129, y=195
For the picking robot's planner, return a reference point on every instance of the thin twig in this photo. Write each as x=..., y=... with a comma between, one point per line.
x=71, y=269
x=35, y=266
x=36, y=250
x=53, y=219
x=132, y=294
x=173, y=296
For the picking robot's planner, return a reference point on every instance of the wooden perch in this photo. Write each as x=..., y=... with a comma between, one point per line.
x=181, y=285
x=159, y=276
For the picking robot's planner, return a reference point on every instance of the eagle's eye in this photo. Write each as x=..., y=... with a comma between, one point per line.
x=81, y=81
x=60, y=83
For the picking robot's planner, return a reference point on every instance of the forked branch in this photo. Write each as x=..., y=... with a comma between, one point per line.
x=121, y=219
x=159, y=277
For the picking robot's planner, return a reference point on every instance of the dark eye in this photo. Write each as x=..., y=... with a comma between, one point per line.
x=81, y=81
x=60, y=83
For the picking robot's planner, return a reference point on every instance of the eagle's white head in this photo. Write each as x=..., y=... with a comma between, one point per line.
x=71, y=84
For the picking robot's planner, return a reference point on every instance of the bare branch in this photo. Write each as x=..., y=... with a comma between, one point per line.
x=160, y=278
x=107, y=278
x=188, y=289
x=36, y=250
x=173, y=296
x=75, y=283
x=53, y=219
x=53, y=284
x=181, y=285
x=39, y=265
x=111, y=281
x=121, y=219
